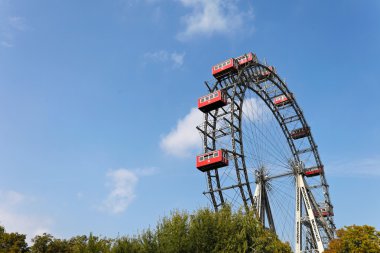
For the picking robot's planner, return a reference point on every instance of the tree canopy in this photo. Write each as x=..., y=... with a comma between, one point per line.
x=355, y=239
x=181, y=232
x=12, y=242
x=199, y=232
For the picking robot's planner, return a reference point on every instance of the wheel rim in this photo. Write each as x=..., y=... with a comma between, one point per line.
x=257, y=135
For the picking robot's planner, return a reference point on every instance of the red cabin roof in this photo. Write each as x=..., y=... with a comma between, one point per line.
x=313, y=171
x=245, y=58
x=300, y=133
x=282, y=100
x=326, y=211
x=212, y=101
x=224, y=68
x=212, y=160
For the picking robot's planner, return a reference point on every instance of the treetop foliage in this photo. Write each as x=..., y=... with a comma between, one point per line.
x=203, y=231
x=355, y=239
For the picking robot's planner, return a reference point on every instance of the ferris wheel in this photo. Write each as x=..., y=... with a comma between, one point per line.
x=259, y=153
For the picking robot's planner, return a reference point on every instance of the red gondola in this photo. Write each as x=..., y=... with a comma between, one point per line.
x=245, y=58
x=326, y=211
x=313, y=171
x=282, y=100
x=212, y=101
x=224, y=68
x=212, y=160
x=300, y=133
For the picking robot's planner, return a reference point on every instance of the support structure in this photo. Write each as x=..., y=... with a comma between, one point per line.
x=261, y=201
x=274, y=164
x=304, y=203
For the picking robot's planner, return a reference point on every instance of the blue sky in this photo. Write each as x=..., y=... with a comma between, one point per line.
x=97, y=103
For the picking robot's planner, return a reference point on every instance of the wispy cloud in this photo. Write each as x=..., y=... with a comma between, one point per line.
x=254, y=109
x=146, y=171
x=184, y=138
x=9, y=24
x=15, y=219
x=6, y=44
x=12, y=197
x=174, y=59
x=122, y=184
x=365, y=167
x=17, y=23
x=209, y=17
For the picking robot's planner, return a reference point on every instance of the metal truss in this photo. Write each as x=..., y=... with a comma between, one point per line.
x=227, y=128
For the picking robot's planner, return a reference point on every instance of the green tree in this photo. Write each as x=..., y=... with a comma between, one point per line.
x=46, y=243
x=355, y=239
x=59, y=246
x=12, y=242
x=98, y=245
x=223, y=231
x=125, y=244
x=172, y=233
x=41, y=243
x=203, y=231
x=78, y=244
x=148, y=242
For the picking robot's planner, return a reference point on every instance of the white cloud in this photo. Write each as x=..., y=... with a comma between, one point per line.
x=12, y=197
x=5, y=43
x=254, y=109
x=80, y=195
x=18, y=23
x=365, y=167
x=174, y=59
x=122, y=184
x=146, y=171
x=9, y=24
x=177, y=58
x=184, y=138
x=15, y=219
x=209, y=17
